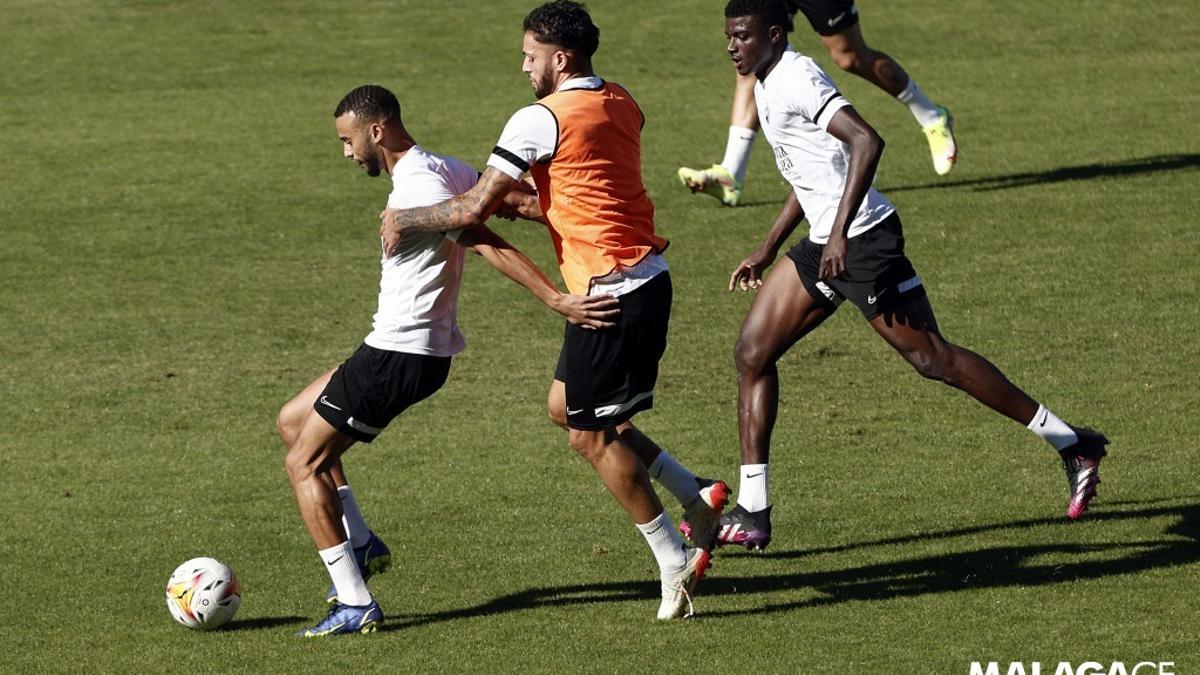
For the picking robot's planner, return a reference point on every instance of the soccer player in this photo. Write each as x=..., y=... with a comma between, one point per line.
x=582, y=144
x=404, y=360
x=854, y=250
x=836, y=21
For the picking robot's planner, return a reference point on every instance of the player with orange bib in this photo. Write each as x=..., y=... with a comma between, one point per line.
x=581, y=143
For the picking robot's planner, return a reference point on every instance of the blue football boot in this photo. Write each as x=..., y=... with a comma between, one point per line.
x=346, y=620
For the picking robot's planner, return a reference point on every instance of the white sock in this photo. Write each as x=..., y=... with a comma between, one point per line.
x=921, y=107
x=352, y=518
x=1051, y=429
x=672, y=475
x=665, y=543
x=737, y=151
x=343, y=569
x=752, y=488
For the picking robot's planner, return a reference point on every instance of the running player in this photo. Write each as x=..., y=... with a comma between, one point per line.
x=405, y=359
x=582, y=144
x=854, y=250
x=836, y=22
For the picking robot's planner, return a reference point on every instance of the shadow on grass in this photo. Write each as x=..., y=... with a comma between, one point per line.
x=1131, y=167
x=992, y=567
x=264, y=622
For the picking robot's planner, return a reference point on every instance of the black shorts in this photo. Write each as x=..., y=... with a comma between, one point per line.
x=374, y=385
x=827, y=17
x=610, y=373
x=878, y=276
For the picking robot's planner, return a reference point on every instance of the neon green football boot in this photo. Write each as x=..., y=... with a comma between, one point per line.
x=715, y=181
x=941, y=142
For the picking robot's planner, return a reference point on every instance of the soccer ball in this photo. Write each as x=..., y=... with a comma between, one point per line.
x=202, y=593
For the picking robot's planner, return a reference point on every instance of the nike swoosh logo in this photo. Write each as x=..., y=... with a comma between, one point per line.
x=755, y=475
x=833, y=22
x=1045, y=417
x=326, y=402
x=574, y=412
x=333, y=562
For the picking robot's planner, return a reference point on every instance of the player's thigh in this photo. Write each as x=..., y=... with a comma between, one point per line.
x=783, y=312
x=556, y=403
x=910, y=328
x=295, y=411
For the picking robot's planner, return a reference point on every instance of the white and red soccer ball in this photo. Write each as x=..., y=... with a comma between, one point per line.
x=202, y=593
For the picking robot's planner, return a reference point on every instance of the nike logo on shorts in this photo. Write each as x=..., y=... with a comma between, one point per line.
x=326, y=402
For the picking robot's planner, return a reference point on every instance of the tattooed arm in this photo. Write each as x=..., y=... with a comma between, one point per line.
x=469, y=209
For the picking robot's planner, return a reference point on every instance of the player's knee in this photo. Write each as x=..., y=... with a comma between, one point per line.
x=849, y=60
x=586, y=443
x=749, y=356
x=932, y=364
x=286, y=426
x=296, y=464
x=301, y=463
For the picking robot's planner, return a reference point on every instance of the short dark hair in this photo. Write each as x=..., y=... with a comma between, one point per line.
x=769, y=12
x=566, y=24
x=369, y=103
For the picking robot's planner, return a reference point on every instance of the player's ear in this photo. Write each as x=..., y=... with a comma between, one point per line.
x=376, y=131
x=561, y=59
x=775, y=33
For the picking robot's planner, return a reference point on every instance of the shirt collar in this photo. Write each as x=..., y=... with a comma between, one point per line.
x=589, y=82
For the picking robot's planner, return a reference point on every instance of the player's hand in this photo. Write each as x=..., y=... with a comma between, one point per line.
x=749, y=274
x=589, y=311
x=507, y=212
x=833, y=258
x=390, y=232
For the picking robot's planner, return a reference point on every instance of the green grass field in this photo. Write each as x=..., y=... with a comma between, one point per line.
x=183, y=248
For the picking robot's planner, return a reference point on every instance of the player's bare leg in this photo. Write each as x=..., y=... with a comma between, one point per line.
x=309, y=462
x=620, y=470
x=782, y=313
x=852, y=54
x=703, y=499
x=625, y=477
x=371, y=553
x=744, y=112
x=912, y=331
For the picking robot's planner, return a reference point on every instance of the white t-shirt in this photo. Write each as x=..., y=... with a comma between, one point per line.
x=418, y=289
x=531, y=136
x=795, y=104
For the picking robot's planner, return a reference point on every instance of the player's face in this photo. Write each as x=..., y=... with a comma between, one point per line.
x=751, y=43
x=358, y=143
x=539, y=65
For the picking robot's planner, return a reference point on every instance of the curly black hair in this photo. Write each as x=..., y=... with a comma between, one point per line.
x=369, y=103
x=566, y=24
x=769, y=12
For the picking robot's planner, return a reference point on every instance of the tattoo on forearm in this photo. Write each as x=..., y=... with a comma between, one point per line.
x=470, y=208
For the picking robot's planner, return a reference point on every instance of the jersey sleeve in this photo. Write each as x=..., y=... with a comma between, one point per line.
x=423, y=188
x=530, y=136
x=817, y=99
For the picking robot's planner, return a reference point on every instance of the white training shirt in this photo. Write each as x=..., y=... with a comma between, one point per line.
x=531, y=136
x=418, y=289
x=795, y=104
